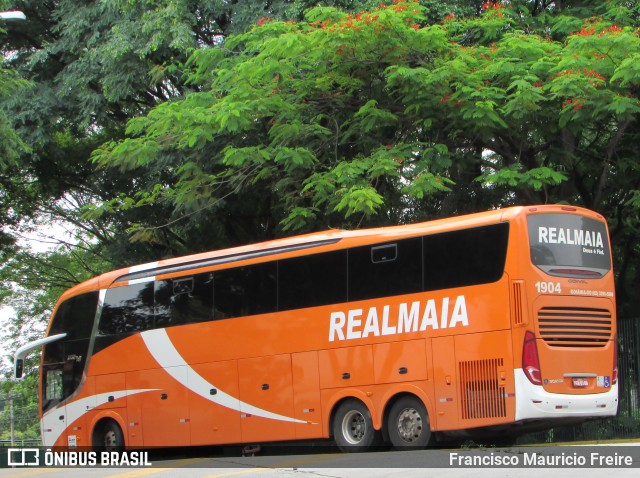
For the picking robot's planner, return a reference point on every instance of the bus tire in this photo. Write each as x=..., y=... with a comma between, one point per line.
x=110, y=437
x=408, y=424
x=353, y=427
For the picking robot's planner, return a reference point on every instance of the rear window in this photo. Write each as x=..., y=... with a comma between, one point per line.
x=567, y=245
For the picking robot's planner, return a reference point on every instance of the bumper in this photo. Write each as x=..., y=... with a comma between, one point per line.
x=534, y=403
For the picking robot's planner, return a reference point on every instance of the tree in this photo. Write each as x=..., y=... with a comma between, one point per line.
x=346, y=120
x=25, y=409
x=96, y=64
x=11, y=146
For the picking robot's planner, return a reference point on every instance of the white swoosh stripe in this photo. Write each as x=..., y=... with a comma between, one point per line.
x=74, y=410
x=164, y=352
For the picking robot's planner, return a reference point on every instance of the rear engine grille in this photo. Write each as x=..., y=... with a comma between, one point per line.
x=575, y=326
x=482, y=395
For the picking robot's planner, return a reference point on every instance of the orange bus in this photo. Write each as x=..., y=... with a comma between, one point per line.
x=496, y=322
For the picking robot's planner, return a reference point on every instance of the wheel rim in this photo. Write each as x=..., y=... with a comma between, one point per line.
x=354, y=427
x=110, y=442
x=409, y=425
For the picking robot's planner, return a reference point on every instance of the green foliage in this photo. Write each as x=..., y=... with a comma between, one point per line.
x=293, y=104
x=10, y=143
x=513, y=177
x=351, y=107
x=25, y=408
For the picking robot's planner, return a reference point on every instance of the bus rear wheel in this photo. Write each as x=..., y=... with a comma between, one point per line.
x=408, y=424
x=353, y=427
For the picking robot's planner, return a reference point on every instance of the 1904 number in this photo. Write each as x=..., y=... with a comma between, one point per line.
x=548, y=287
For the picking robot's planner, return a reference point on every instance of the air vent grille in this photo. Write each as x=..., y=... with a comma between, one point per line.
x=483, y=396
x=575, y=326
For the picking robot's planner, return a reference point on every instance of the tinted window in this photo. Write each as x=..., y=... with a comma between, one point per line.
x=385, y=269
x=65, y=360
x=569, y=245
x=127, y=309
x=75, y=316
x=313, y=280
x=466, y=257
x=245, y=291
x=184, y=300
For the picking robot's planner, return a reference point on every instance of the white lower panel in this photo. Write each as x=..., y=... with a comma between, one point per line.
x=533, y=402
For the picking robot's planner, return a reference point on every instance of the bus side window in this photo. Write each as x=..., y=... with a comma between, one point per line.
x=385, y=270
x=467, y=257
x=312, y=281
x=184, y=300
x=243, y=291
x=127, y=309
x=52, y=383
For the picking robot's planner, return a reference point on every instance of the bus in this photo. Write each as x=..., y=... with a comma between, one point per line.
x=485, y=324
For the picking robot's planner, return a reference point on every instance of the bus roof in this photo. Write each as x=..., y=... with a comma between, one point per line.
x=296, y=245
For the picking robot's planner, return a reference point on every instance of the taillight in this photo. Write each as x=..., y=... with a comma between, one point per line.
x=614, y=378
x=530, y=360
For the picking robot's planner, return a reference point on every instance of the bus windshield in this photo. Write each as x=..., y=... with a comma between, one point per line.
x=568, y=245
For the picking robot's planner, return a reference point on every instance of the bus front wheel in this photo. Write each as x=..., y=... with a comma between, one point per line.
x=109, y=437
x=353, y=427
x=408, y=424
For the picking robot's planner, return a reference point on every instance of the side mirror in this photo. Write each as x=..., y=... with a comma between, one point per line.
x=21, y=353
x=18, y=368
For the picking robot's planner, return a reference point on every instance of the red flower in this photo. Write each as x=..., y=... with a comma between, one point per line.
x=586, y=31
x=612, y=29
x=492, y=5
x=577, y=104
